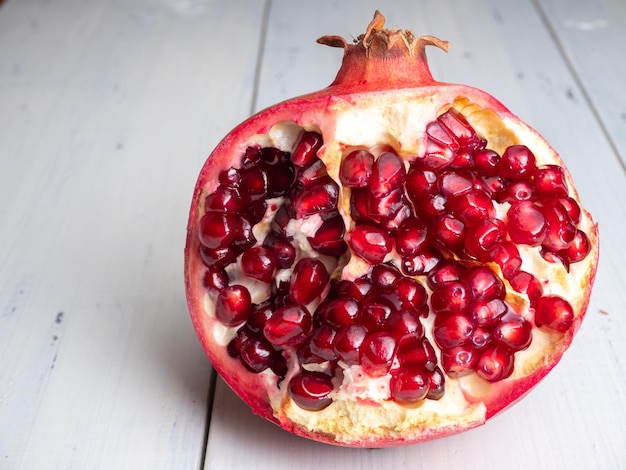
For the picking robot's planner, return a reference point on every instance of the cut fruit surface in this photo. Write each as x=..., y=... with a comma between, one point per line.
x=390, y=259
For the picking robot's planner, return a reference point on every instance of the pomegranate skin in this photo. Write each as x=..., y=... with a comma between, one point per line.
x=364, y=83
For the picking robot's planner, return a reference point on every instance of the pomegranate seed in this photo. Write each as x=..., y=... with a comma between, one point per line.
x=281, y=179
x=348, y=341
x=259, y=263
x=445, y=272
x=218, y=258
x=350, y=290
x=328, y=239
x=560, y=229
x=552, y=257
x=451, y=297
x=319, y=197
x=518, y=191
x=449, y=230
x=431, y=207
x=570, y=205
x=377, y=353
x=308, y=280
x=555, y=313
x=230, y=178
x=517, y=163
x=404, y=324
x=375, y=311
x=279, y=366
x=482, y=237
x=408, y=387
x=256, y=212
x=233, y=305
x=388, y=174
x=363, y=285
x=218, y=229
x=421, y=263
x=436, y=388
x=481, y=338
x=411, y=293
x=356, y=169
x=486, y=162
x=282, y=297
x=370, y=243
x=458, y=126
x=259, y=316
x=224, y=199
x=455, y=183
x=241, y=339
x=380, y=209
x=284, y=252
x=314, y=170
x=288, y=326
x=513, y=331
x=400, y=216
x=257, y=354
x=438, y=133
x=305, y=356
x=306, y=148
x=495, y=364
x=462, y=160
x=339, y=312
x=215, y=278
x=526, y=283
x=385, y=275
x=273, y=157
x=359, y=200
x=251, y=157
x=472, y=205
x=441, y=147
x=281, y=220
x=452, y=330
x=244, y=237
x=459, y=361
x=486, y=314
x=578, y=249
x=526, y=223
x=494, y=186
x=254, y=186
x=311, y=390
x=421, y=184
x=483, y=284
x=506, y=255
x=550, y=182
x=321, y=342
x=417, y=353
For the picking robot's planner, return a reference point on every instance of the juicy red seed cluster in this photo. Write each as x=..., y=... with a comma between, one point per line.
x=437, y=214
x=476, y=330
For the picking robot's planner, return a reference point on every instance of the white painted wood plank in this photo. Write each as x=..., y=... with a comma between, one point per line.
x=574, y=419
x=593, y=36
x=107, y=111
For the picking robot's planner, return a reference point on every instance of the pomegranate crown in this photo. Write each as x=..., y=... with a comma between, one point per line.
x=368, y=60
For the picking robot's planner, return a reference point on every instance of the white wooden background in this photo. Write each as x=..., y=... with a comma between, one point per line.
x=108, y=109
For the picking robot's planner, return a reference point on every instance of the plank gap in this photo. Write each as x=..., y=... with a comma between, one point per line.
x=261, y=50
x=207, y=427
x=579, y=83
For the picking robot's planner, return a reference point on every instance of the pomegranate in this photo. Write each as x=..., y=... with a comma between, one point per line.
x=390, y=259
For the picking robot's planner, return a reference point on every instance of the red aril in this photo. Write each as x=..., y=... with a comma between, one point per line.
x=390, y=259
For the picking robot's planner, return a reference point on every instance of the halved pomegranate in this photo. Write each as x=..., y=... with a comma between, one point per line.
x=388, y=260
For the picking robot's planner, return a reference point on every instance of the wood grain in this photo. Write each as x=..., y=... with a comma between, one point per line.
x=107, y=111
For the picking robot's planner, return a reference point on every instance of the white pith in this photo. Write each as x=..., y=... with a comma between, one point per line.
x=361, y=408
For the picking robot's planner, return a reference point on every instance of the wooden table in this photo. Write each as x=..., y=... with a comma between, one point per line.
x=107, y=111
